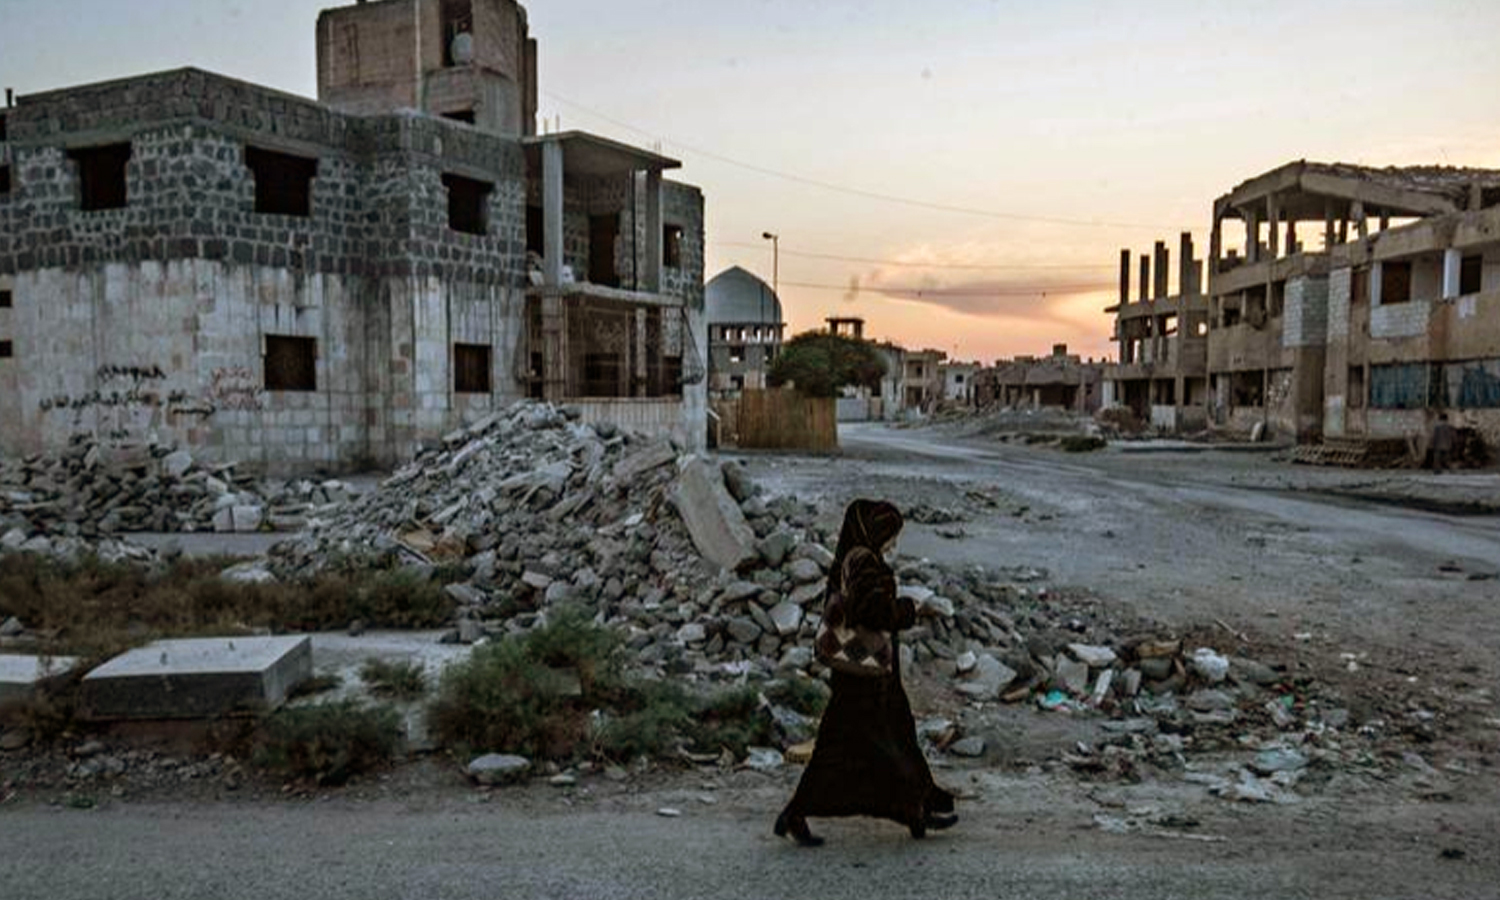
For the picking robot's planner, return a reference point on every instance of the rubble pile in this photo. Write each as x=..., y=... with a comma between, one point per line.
x=93, y=489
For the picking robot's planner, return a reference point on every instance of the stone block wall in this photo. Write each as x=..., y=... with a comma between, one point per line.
x=1400, y=320
x=1305, y=321
x=149, y=321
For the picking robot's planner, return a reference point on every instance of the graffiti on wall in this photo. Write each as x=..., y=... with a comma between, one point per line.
x=131, y=401
x=235, y=387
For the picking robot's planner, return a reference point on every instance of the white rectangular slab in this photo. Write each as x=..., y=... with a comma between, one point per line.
x=198, y=678
x=20, y=675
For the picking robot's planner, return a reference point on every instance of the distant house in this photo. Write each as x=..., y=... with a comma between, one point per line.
x=1063, y=380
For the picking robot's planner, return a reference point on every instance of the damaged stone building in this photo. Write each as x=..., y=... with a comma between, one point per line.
x=1162, y=340
x=1345, y=304
x=321, y=285
x=1061, y=380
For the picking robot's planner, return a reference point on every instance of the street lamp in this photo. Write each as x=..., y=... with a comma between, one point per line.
x=775, y=240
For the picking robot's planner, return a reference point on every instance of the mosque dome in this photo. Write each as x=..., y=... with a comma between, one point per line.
x=736, y=297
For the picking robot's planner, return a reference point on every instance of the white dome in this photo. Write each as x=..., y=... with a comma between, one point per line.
x=735, y=297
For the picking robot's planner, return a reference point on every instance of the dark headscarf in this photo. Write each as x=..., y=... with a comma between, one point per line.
x=869, y=590
x=869, y=524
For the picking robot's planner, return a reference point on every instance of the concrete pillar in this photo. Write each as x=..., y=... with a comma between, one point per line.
x=1185, y=279
x=1273, y=226
x=552, y=212
x=1124, y=277
x=1160, y=254
x=652, y=280
x=1377, y=283
x=1453, y=260
x=1291, y=236
x=1145, y=278
x=1330, y=227
x=1361, y=221
x=1252, y=236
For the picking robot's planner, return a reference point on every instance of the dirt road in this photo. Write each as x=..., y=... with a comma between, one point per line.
x=1188, y=539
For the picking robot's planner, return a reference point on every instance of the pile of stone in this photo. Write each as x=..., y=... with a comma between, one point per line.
x=93, y=489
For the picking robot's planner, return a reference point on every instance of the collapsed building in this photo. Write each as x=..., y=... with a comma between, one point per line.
x=320, y=285
x=1362, y=303
x=1062, y=380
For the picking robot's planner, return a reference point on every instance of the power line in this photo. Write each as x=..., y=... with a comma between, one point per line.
x=1040, y=291
x=917, y=265
x=854, y=191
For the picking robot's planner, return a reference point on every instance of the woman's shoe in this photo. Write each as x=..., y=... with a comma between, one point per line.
x=797, y=826
x=940, y=821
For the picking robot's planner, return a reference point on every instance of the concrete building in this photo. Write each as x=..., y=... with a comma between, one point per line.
x=1162, y=373
x=923, y=379
x=321, y=285
x=1361, y=333
x=958, y=382
x=1062, y=380
x=745, y=332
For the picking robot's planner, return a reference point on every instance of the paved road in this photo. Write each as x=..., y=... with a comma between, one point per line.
x=465, y=851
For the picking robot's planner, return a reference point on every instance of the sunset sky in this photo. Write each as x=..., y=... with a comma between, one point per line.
x=1030, y=141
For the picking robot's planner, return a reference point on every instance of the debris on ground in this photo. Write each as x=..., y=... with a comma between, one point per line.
x=93, y=489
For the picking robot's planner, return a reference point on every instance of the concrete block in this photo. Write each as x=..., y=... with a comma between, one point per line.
x=197, y=678
x=713, y=519
x=21, y=675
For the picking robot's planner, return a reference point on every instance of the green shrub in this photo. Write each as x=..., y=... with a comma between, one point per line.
x=807, y=696
x=402, y=680
x=538, y=694
x=502, y=698
x=330, y=743
x=100, y=609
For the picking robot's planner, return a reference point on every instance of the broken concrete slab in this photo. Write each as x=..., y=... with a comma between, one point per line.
x=989, y=678
x=713, y=519
x=1092, y=656
x=21, y=675
x=198, y=678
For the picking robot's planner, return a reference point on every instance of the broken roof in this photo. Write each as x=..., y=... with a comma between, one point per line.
x=1312, y=190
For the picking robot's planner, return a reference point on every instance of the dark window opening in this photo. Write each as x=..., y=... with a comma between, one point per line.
x=1470, y=270
x=291, y=363
x=1395, y=283
x=1277, y=304
x=1354, y=394
x=4, y=130
x=601, y=375
x=736, y=382
x=283, y=183
x=736, y=354
x=536, y=389
x=468, y=202
x=4, y=180
x=1247, y=388
x=7, y=299
x=101, y=176
x=458, y=27
x=536, y=236
x=471, y=368
x=7, y=350
x=461, y=115
x=604, y=231
x=671, y=246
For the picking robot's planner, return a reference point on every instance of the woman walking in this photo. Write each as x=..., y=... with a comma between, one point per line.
x=866, y=761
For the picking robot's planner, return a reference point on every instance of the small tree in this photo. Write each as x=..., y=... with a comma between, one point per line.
x=819, y=363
